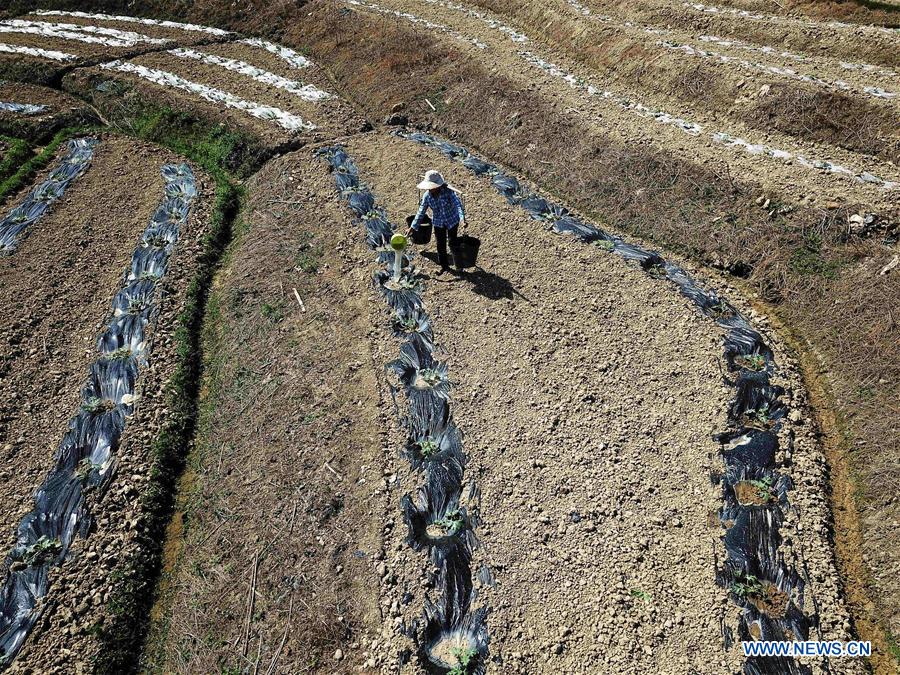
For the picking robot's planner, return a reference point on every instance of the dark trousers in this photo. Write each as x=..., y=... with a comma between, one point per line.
x=441, y=234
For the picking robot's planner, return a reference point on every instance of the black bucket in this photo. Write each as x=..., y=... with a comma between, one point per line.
x=423, y=234
x=465, y=253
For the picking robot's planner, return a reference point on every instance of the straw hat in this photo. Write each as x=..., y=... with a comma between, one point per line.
x=433, y=179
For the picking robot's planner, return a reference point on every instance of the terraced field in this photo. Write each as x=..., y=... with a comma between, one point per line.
x=654, y=421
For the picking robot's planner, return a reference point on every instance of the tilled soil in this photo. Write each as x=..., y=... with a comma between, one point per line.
x=62, y=110
x=588, y=394
x=510, y=55
x=284, y=499
x=332, y=117
x=56, y=290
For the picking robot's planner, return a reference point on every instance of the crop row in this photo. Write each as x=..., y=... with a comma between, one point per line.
x=769, y=592
x=85, y=458
x=452, y=634
x=14, y=227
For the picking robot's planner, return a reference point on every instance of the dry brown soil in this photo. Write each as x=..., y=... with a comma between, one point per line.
x=281, y=509
x=57, y=290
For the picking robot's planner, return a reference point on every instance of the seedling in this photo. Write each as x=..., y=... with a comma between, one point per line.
x=428, y=447
x=120, y=354
x=20, y=218
x=174, y=214
x=721, y=309
x=448, y=526
x=407, y=324
x=747, y=587
x=137, y=305
x=465, y=659
x=85, y=467
x=763, y=487
x=640, y=595
x=658, y=271
x=149, y=275
x=760, y=416
x=41, y=551
x=428, y=377
x=156, y=241
x=96, y=406
x=604, y=244
x=273, y=312
x=754, y=362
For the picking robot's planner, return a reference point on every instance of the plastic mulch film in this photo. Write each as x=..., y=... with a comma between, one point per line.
x=759, y=580
x=451, y=636
x=14, y=227
x=85, y=459
x=22, y=108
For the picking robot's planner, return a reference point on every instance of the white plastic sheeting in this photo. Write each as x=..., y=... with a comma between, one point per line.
x=284, y=53
x=412, y=18
x=70, y=31
x=35, y=51
x=134, y=19
x=22, y=108
x=307, y=92
x=788, y=73
x=164, y=78
x=695, y=129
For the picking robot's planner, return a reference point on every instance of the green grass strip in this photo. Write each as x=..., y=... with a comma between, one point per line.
x=26, y=172
x=17, y=152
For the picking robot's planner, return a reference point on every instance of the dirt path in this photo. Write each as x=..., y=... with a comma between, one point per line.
x=281, y=502
x=587, y=394
x=690, y=132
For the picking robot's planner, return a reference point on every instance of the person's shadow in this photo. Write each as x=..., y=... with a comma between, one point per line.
x=484, y=283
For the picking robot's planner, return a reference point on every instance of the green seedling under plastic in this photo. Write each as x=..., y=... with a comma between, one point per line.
x=760, y=415
x=763, y=487
x=95, y=405
x=465, y=659
x=430, y=377
x=85, y=467
x=41, y=551
x=119, y=354
x=747, y=587
x=754, y=362
x=451, y=524
x=428, y=447
x=605, y=244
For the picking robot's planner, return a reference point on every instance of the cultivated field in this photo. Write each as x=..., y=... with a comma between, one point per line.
x=655, y=419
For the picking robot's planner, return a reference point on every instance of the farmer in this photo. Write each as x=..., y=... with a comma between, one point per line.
x=446, y=214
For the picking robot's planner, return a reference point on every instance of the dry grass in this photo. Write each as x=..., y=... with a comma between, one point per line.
x=827, y=117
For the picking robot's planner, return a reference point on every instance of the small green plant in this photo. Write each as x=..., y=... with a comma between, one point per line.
x=149, y=276
x=95, y=405
x=451, y=524
x=136, y=305
x=430, y=376
x=407, y=324
x=119, y=354
x=604, y=244
x=274, y=312
x=428, y=447
x=465, y=659
x=308, y=256
x=85, y=467
x=657, y=271
x=640, y=595
x=747, y=586
x=763, y=487
x=720, y=310
x=760, y=415
x=41, y=551
x=754, y=362
x=156, y=241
